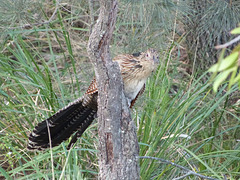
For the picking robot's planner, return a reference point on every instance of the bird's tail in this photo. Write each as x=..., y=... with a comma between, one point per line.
x=77, y=116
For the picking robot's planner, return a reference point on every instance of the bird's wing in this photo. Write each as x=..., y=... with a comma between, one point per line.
x=129, y=65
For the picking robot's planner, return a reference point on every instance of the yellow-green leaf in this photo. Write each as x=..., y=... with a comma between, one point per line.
x=236, y=79
x=236, y=49
x=236, y=31
x=220, y=78
x=233, y=76
x=225, y=63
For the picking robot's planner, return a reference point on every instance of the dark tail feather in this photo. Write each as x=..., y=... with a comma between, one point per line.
x=81, y=130
x=62, y=125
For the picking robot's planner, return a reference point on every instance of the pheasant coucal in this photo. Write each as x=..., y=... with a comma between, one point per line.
x=78, y=115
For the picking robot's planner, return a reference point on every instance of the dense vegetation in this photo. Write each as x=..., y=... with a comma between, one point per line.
x=44, y=66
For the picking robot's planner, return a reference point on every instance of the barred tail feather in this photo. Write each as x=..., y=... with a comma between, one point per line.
x=81, y=130
x=62, y=125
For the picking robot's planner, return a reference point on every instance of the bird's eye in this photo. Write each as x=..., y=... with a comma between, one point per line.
x=147, y=55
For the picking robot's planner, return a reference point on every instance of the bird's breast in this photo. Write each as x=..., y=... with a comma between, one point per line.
x=132, y=88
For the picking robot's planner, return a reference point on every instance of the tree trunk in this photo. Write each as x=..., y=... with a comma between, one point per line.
x=118, y=144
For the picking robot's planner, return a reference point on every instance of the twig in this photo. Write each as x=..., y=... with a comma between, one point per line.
x=50, y=144
x=64, y=167
x=181, y=177
x=55, y=11
x=45, y=22
x=189, y=172
x=236, y=39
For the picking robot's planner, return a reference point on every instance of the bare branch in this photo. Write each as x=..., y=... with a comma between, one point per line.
x=118, y=144
x=189, y=172
x=228, y=43
x=50, y=143
x=181, y=177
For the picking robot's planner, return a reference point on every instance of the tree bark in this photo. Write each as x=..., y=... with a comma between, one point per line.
x=118, y=143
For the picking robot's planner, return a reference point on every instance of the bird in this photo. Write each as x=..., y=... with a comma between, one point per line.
x=77, y=116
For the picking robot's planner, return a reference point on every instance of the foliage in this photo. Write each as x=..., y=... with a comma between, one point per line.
x=44, y=67
x=227, y=67
x=186, y=127
x=208, y=24
x=143, y=24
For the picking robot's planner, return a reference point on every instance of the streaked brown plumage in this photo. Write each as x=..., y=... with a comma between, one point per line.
x=78, y=115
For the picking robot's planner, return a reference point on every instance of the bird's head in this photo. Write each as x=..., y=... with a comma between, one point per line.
x=151, y=59
x=152, y=55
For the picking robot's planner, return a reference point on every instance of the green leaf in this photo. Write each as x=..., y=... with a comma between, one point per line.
x=4, y=173
x=221, y=77
x=236, y=49
x=233, y=76
x=236, y=31
x=225, y=63
x=236, y=79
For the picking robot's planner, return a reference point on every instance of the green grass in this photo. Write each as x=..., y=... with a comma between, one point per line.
x=190, y=126
x=30, y=92
x=210, y=147
x=178, y=118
